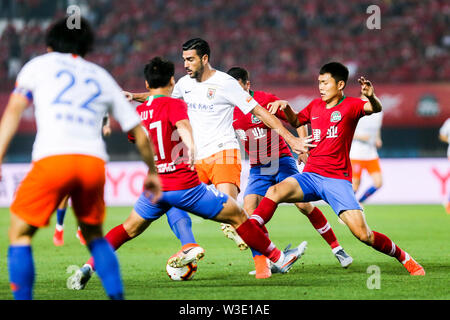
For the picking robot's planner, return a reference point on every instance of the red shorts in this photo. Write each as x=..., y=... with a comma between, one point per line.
x=371, y=166
x=222, y=167
x=51, y=179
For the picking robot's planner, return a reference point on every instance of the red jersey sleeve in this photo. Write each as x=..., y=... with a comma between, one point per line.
x=359, y=108
x=178, y=111
x=304, y=116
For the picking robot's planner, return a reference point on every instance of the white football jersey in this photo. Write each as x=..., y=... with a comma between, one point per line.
x=445, y=131
x=210, y=109
x=367, y=126
x=71, y=96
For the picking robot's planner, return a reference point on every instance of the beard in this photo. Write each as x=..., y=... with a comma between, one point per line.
x=197, y=75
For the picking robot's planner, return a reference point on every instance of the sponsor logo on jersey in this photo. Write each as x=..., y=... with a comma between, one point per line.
x=249, y=99
x=336, y=116
x=211, y=93
x=255, y=119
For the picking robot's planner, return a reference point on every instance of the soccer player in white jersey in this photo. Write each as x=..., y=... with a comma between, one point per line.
x=364, y=154
x=70, y=96
x=444, y=136
x=211, y=96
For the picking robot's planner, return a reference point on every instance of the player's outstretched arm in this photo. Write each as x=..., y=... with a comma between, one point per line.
x=185, y=131
x=139, y=97
x=290, y=114
x=374, y=104
x=145, y=148
x=298, y=145
x=10, y=121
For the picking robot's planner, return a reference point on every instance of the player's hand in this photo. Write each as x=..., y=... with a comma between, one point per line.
x=128, y=95
x=152, y=186
x=277, y=105
x=378, y=143
x=366, y=87
x=106, y=131
x=303, y=157
x=301, y=145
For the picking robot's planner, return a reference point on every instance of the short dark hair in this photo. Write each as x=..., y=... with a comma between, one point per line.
x=337, y=70
x=61, y=38
x=199, y=45
x=158, y=72
x=239, y=74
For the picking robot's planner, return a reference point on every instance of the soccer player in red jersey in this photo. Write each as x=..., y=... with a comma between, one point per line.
x=166, y=120
x=271, y=162
x=328, y=172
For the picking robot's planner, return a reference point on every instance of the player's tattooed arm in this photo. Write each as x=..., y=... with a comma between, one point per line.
x=139, y=97
x=374, y=104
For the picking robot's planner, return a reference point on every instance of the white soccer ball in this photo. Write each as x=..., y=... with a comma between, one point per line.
x=182, y=274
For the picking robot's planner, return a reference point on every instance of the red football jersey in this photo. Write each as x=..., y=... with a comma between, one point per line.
x=159, y=114
x=260, y=142
x=332, y=131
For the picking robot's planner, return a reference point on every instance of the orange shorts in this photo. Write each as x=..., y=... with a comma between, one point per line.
x=371, y=166
x=50, y=179
x=222, y=167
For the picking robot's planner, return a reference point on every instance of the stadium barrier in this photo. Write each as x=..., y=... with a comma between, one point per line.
x=406, y=181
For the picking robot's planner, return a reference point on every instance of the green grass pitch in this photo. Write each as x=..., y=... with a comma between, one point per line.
x=422, y=230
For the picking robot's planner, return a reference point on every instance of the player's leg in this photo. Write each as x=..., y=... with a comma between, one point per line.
x=20, y=258
x=141, y=216
x=262, y=267
x=323, y=227
x=373, y=168
x=357, y=224
x=58, y=236
x=225, y=174
x=287, y=190
x=339, y=195
x=181, y=224
x=87, y=196
x=254, y=236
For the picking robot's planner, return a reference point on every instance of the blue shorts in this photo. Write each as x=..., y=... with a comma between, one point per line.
x=261, y=178
x=202, y=200
x=338, y=193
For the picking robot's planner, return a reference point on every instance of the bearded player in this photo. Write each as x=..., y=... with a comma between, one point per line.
x=211, y=96
x=165, y=118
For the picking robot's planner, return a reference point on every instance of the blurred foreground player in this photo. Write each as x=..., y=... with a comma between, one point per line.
x=211, y=96
x=271, y=162
x=166, y=119
x=364, y=154
x=328, y=172
x=444, y=136
x=70, y=96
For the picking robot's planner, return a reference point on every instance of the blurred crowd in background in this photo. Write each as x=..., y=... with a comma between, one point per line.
x=281, y=42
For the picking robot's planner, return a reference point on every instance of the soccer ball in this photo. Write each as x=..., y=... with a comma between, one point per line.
x=182, y=274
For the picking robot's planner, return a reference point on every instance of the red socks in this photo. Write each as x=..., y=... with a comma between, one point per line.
x=320, y=223
x=385, y=245
x=264, y=212
x=255, y=238
x=116, y=237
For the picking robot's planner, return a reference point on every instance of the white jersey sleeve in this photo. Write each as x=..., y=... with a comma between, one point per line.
x=238, y=96
x=121, y=109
